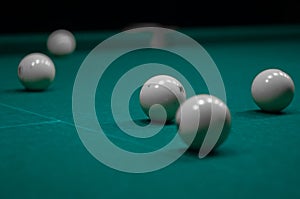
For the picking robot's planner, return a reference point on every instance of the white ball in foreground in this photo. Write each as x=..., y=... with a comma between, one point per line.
x=36, y=71
x=194, y=117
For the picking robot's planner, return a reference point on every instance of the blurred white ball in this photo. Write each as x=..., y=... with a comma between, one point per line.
x=61, y=42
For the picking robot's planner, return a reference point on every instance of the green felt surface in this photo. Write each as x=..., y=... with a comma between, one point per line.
x=42, y=156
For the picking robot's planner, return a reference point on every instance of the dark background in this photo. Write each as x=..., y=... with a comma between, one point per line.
x=41, y=16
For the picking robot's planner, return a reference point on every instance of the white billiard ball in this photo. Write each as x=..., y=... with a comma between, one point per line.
x=272, y=90
x=61, y=42
x=161, y=91
x=199, y=113
x=36, y=71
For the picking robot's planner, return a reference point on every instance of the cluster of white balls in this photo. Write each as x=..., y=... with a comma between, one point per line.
x=272, y=90
x=36, y=71
x=163, y=98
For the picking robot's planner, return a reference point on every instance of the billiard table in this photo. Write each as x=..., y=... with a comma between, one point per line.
x=43, y=155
